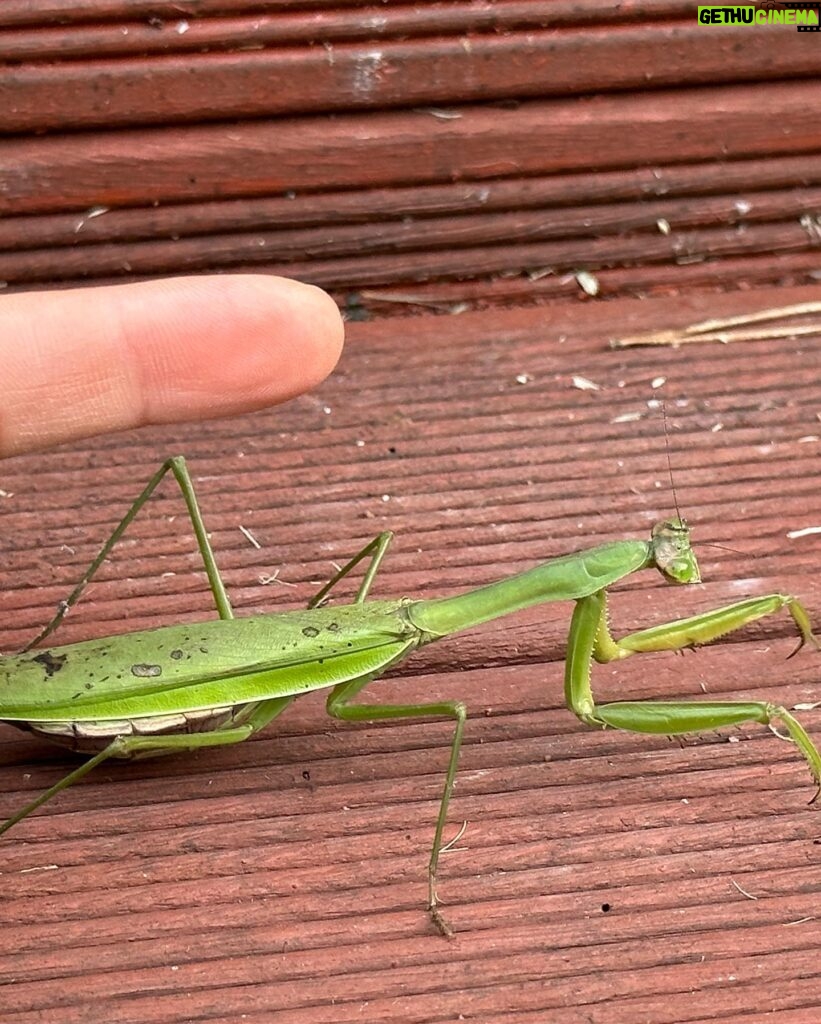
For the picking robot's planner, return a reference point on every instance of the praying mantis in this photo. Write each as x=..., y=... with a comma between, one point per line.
x=207, y=684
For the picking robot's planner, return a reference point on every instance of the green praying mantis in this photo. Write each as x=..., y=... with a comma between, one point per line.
x=206, y=684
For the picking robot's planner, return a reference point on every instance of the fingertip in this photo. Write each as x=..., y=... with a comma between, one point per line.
x=232, y=344
x=305, y=317
x=93, y=360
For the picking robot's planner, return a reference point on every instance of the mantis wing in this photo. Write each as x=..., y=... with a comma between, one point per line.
x=187, y=668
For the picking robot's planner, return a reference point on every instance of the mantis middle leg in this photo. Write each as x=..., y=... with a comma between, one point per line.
x=339, y=706
x=377, y=549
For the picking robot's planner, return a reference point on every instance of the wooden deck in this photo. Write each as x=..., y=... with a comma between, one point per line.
x=602, y=877
x=447, y=171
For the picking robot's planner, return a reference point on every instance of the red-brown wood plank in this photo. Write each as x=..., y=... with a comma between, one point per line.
x=603, y=219
x=372, y=75
x=556, y=12
x=395, y=257
x=785, y=179
x=705, y=276
x=284, y=879
x=399, y=249
x=390, y=233
x=730, y=273
x=305, y=154
x=179, y=34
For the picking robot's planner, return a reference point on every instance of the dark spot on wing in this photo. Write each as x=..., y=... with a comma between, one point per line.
x=176, y=654
x=51, y=662
x=310, y=631
x=143, y=671
x=333, y=627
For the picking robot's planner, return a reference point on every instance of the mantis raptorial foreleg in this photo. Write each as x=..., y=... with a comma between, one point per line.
x=179, y=469
x=590, y=638
x=699, y=629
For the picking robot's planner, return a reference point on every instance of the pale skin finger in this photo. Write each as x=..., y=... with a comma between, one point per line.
x=90, y=361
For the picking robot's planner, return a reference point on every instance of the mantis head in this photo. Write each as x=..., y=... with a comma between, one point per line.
x=671, y=551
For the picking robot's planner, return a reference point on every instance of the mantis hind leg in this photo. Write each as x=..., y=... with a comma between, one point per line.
x=590, y=638
x=177, y=466
x=132, y=746
x=339, y=706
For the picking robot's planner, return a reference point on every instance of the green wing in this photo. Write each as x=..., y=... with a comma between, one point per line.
x=203, y=665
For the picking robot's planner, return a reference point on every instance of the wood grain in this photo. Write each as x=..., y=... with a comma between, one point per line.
x=446, y=169
x=597, y=880
x=44, y=175
x=272, y=78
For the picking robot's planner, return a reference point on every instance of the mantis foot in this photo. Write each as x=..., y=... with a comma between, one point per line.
x=439, y=922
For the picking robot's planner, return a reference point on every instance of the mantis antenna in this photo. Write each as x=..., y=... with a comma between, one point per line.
x=669, y=460
x=706, y=543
